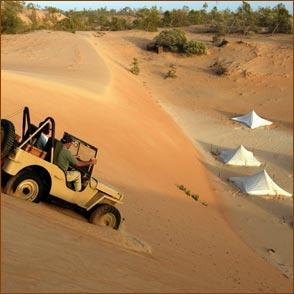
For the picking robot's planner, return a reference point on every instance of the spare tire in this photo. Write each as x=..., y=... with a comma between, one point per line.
x=7, y=137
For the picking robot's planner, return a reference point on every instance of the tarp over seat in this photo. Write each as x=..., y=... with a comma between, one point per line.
x=252, y=120
x=239, y=156
x=258, y=184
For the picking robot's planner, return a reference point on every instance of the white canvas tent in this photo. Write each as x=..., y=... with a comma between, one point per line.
x=239, y=156
x=252, y=120
x=259, y=184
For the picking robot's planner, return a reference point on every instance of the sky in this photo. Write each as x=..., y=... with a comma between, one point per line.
x=165, y=5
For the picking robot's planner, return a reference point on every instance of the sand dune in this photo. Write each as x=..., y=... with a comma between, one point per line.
x=168, y=242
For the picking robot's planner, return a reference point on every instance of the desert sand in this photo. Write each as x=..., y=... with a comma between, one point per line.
x=153, y=135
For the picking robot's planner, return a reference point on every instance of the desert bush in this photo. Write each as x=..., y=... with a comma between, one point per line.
x=250, y=33
x=65, y=25
x=219, y=68
x=176, y=41
x=171, y=73
x=195, y=197
x=118, y=24
x=173, y=40
x=194, y=48
x=135, y=67
x=222, y=43
x=216, y=39
x=182, y=187
x=10, y=22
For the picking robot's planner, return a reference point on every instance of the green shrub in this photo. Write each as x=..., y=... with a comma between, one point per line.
x=250, y=33
x=135, y=67
x=182, y=187
x=118, y=24
x=223, y=43
x=173, y=40
x=195, y=197
x=171, y=73
x=65, y=24
x=193, y=47
x=176, y=41
x=10, y=22
x=216, y=38
x=220, y=68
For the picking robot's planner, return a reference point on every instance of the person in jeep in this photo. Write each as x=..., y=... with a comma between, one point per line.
x=65, y=158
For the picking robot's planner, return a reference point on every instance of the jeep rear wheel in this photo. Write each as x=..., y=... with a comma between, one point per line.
x=106, y=215
x=25, y=185
x=7, y=137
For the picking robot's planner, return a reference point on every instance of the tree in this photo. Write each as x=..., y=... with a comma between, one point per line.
x=203, y=12
x=281, y=20
x=118, y=24
x=217, y=21
x=245, y=19
x=167, y=19
x=194, y=17
x=147, y=19
x=75, y=21
x=181, y=17
x=10, y=22
x=34, y=19
x=126, y=11
x=65, y=25
x=177, y=17
x=53, y=10
x=151, y=20
x=30, y=5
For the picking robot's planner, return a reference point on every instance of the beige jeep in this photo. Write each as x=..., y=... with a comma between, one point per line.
x=30, y=173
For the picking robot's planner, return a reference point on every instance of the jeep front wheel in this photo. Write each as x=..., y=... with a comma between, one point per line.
x=106, y=215
x=25, y=185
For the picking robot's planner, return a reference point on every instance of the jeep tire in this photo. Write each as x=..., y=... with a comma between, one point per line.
x=106, y=215
x=26, y=185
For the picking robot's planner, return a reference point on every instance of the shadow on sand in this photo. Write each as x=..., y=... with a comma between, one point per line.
x=138, y=41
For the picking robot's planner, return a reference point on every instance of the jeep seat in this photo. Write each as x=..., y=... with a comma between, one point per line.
x=29, y=132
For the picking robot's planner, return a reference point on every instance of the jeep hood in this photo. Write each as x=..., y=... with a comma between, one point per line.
x=108, y=189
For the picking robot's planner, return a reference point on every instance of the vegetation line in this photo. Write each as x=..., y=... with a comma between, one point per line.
x=18, y=17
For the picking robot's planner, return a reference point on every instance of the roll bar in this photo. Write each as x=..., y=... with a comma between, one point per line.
x=27, y=120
